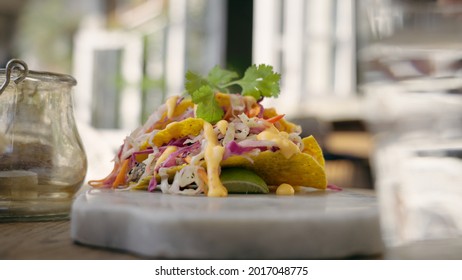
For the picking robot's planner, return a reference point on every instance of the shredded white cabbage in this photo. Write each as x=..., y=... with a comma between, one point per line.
x=153, y=118
x=295, y=137
x=164, y=186
x=149, y=162
x=230, y=133
x=237, y=103
x=242, y=130
x=185, y=177
x=257, y=143
x=194, y=139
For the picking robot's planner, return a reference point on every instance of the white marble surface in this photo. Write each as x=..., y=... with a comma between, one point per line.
x=309, y=225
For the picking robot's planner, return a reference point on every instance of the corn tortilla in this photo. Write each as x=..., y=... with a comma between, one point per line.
x=299, y=170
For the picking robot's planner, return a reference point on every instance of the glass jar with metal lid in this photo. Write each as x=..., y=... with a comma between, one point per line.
x=42, y=159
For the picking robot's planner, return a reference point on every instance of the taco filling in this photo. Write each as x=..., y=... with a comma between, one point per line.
x=183, y=147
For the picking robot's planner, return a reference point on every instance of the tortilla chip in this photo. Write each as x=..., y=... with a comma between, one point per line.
x=179, y=109
x=312, y=148
x=299, y=170
x=223, y=99
x=182, y=107
x=177, y=130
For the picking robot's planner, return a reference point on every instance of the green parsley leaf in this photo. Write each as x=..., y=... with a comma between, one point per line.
x=218, y=77
x=207, y=106
x=194, y=82
x=260, y=81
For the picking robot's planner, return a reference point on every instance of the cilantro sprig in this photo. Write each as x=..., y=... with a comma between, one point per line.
x=258, y=81
x=207, y=106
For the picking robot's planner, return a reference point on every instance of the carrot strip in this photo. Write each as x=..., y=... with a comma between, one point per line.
x=228, y=113
x=107, y=181
x=275, y=118
x=203, y=175
x=120, y=179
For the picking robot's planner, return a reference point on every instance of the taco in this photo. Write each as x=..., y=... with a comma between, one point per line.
x=189, y=140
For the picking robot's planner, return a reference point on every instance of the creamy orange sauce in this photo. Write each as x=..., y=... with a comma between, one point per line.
x=213, y=156
x=222, y=126
x=285, y=189
x=168, y=151
x=171, y=104
x=281, y=138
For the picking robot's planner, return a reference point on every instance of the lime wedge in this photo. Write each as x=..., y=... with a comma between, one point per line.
x=240, y=180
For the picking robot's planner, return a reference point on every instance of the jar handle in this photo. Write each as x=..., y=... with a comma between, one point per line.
x=14, y=64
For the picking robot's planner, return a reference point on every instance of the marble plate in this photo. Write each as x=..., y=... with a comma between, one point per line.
x=310, y=225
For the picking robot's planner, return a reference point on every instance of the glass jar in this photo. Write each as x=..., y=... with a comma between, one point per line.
x=42, y=160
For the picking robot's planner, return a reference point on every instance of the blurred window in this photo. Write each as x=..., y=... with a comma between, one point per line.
x=312, y=43
x=126, y=72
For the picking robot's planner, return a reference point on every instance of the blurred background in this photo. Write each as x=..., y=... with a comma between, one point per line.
x=129, y=55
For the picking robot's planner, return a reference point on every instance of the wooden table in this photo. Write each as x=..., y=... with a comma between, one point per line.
x=51, y=241
x=48, y=241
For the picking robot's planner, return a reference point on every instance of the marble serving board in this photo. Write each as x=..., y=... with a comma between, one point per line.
x=310, y=225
